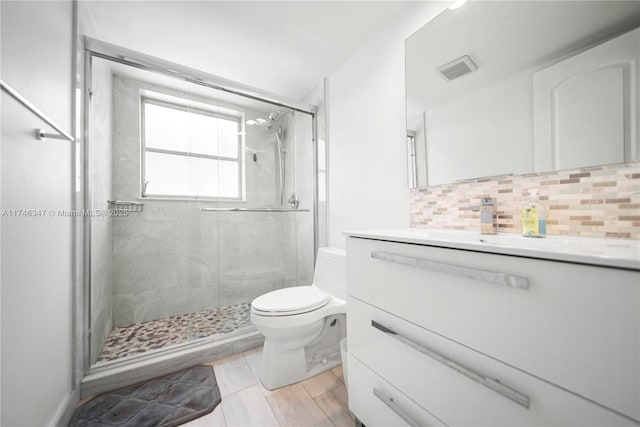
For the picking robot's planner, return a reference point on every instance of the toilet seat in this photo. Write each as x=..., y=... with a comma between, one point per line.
x=290, y=301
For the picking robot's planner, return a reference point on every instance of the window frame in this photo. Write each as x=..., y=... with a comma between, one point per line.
x=189, y=106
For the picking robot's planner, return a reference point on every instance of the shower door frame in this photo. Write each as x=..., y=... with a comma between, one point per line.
x=99, y=49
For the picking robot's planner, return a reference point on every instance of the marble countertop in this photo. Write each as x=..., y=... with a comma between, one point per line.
x=619, y=253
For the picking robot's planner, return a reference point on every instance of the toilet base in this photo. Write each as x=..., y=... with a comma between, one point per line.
x=289, y=368
x=283, y=364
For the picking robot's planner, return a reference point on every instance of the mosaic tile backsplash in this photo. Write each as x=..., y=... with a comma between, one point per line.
x=600, y=201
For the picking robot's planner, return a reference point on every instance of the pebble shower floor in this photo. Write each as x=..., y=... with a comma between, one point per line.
x=130, y=340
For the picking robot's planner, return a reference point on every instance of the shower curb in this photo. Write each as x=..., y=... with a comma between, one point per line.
x=108, y=379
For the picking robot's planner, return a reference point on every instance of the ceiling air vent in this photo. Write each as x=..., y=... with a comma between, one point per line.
x=457, y=68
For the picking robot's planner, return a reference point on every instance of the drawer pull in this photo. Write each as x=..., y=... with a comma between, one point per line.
x=486, y=381
x=387, y=400
x=497, y=278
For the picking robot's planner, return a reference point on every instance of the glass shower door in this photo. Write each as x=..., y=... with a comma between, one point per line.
x=204, y=179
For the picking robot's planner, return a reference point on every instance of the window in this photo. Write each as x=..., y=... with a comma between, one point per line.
x=190, y=152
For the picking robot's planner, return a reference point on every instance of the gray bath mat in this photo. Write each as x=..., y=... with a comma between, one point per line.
x=165, y=401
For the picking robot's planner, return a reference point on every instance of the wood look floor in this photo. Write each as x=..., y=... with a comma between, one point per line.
x=318, y=401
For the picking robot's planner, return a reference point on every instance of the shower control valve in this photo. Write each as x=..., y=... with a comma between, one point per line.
x=294, y=201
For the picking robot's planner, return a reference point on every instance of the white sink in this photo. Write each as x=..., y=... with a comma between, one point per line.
x=612, y=252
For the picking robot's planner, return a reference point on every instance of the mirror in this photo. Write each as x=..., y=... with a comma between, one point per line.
x=515, y=87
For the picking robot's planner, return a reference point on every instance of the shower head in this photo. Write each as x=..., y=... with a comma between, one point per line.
x=275, y=116
x=266, y=123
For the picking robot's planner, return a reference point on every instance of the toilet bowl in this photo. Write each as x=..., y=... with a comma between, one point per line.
x=303, y=325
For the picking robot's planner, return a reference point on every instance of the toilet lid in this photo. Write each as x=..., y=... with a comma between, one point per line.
x=288, y=301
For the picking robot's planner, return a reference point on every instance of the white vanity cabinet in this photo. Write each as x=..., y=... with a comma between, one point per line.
x=448, y=336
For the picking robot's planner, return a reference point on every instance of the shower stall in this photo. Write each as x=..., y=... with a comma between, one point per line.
x=200, y=198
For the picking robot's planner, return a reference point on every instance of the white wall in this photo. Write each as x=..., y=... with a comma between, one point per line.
x=367, y=128
x=36, y=252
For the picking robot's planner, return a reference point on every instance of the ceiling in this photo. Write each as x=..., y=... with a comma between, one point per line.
x=284, y=47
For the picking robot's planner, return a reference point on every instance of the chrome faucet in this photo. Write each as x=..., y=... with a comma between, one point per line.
x=488, y=216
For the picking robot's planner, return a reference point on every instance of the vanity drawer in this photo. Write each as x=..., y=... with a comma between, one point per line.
x=577, y=326
x=456, y=384
x=377, y=403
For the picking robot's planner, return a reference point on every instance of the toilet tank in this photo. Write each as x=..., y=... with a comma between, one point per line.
x=331, y=274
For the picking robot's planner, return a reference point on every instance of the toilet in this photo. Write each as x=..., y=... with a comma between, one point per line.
x=303, y=325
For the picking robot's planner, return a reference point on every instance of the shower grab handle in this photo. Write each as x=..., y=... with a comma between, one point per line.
x=252, y=210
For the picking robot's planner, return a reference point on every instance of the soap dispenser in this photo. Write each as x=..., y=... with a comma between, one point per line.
x=534, y=217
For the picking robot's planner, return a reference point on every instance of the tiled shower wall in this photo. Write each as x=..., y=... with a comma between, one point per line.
x=601, y=201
